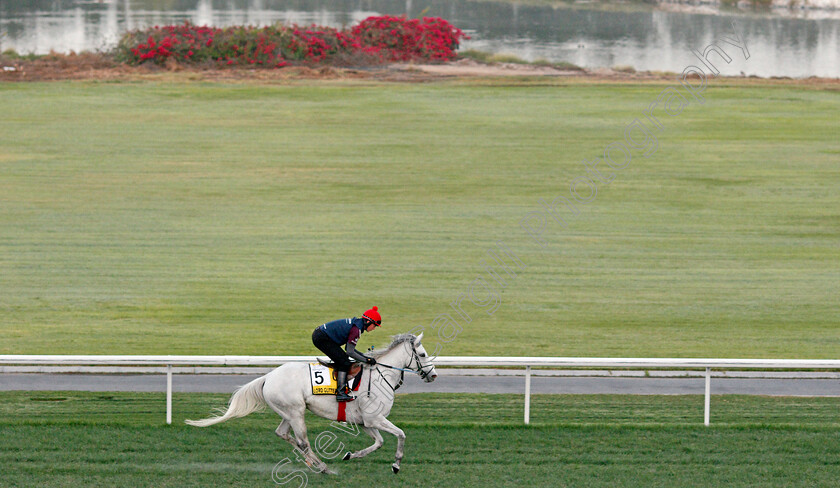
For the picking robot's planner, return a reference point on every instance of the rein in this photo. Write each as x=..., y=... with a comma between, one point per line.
x=421, y=370
x=394, y=388
x=404, y=370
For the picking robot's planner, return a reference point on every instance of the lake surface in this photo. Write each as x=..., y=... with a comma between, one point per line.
x=798, y=45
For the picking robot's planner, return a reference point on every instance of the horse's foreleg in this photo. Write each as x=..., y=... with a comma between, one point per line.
x=377, y=443
x=382, y=423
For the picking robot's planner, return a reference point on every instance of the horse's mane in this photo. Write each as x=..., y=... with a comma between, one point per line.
x=395, y=341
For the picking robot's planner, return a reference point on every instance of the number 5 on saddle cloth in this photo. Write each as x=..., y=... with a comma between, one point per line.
x=323, y=378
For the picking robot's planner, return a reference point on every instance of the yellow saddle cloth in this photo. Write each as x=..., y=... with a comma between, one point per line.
x=323, y=378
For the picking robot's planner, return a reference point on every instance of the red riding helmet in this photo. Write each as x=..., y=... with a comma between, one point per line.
x=373, y=316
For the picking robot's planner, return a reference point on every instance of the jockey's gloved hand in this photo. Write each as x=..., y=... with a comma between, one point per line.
x=370, y=360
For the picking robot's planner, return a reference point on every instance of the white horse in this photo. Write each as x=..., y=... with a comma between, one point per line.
x=287, y=391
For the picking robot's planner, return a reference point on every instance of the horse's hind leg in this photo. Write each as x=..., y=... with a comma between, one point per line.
x=309, y=457
x=283, y=432
x=299, y=426
x=377, y=443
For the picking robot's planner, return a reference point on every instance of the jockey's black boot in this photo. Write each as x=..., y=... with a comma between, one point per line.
x=342, y=393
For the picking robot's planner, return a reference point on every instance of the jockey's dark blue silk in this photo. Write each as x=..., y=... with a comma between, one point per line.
x=344, y=331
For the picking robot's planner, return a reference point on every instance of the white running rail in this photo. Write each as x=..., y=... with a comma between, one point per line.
x=522, y=362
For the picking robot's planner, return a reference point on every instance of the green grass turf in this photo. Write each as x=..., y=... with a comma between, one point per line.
x=196, y=218
x=117, y=439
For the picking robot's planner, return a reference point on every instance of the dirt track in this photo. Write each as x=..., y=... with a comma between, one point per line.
x=96, y=67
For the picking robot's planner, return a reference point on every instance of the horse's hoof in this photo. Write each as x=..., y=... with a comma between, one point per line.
x=395, y=468
x=346, y=456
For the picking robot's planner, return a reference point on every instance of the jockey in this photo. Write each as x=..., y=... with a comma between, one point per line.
x=331, y=336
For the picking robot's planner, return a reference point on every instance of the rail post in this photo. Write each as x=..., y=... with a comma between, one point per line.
x=527, y=395
x=708, y=396
x=168, y=394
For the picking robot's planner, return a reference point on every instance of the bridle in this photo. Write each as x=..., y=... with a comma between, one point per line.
x=421, y=370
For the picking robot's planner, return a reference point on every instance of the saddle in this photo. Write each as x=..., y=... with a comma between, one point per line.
x=355, y=368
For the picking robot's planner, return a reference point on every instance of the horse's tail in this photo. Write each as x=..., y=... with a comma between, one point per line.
x=245, y=400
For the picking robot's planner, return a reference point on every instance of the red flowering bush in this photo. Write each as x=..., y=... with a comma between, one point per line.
x=401, y=39
x=315, y=44
x=157, y=44
x=379, y=38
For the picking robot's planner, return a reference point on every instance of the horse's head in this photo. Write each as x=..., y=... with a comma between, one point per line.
x=406, y=351
x=423, y=361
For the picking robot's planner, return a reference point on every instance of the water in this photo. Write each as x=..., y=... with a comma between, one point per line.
x=638, y=36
